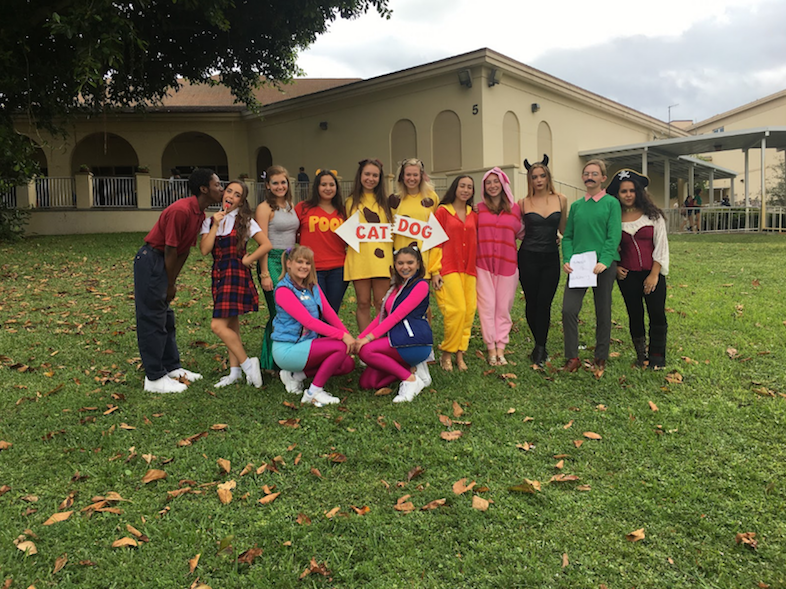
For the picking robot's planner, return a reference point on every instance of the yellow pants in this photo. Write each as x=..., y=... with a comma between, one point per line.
x=457, y=301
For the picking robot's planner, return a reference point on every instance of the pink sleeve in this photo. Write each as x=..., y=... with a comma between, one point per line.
x=370, y=328
x=287, y=300
x=405, y=308
x=329, y=314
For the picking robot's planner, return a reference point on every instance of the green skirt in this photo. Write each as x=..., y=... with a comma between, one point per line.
x=274, y=266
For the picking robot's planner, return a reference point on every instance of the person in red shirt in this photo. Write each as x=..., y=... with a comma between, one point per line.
x=453, y=273
x=156, y=268
x=319, y=217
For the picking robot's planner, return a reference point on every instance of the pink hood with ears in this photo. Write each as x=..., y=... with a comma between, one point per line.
x=504, y=180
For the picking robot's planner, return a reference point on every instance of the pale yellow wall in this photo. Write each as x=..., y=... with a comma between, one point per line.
x=770, y=114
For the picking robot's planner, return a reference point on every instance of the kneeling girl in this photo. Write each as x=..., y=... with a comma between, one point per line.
x=409, y=339
x=301, y=318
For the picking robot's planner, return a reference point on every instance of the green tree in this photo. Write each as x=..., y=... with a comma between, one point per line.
x=776, y=191
x=60, y=58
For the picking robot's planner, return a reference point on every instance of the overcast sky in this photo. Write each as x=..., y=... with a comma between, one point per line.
x=706, y=56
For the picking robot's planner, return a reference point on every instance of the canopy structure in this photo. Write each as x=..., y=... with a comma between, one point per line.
x=677, y=157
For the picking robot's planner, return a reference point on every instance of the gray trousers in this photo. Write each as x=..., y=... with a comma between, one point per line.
x=571, y=305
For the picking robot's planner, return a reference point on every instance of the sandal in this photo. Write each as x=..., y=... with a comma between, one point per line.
x=501, y=361
x=493, y=360
x=446, y=363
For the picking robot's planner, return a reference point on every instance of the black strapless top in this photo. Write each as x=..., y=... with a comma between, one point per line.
x=540, y=233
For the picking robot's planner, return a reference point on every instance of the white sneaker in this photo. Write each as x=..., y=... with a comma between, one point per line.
x=408, y=390
x=254, y=375
x=191, y=376
x=319, y=399
x=165, y=384
x=422, y=371
x=292, y=383
x=226, y=381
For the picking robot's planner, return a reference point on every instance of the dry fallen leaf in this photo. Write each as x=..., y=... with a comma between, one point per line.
x=303, y=519
x=526, y=446
x=567, y=425
x=58, y=517
x=337, y=457
x=361, y=510
x=332, y=512
x=153, y=475
x=511, y=411
x=635, y=535
x=479, y=503
x=749, y=539
x=460, y=487
x=136, y=533
x=316, y=473
x=451, y=436
x=559, y=465
x=248, y=468
x=578, y=443
x=126, y=541
x=27, y=546
x=249, y=555
x=224, y=491
x=315, y=568
x=563, y=478
x=592, y=436
x=224, y=465
x=565, y=561
x=218, y=427
x=60, y=562
x=383, y=391
x=527, y=486
x=653, y=406
x=403, y=505
x=193, y=562
x=445, y=420
x=528, y=418
x=674, y=377
x=415, y=472
x=583, y=488
x=433, y=504
x=269, y=498
x=457, y=410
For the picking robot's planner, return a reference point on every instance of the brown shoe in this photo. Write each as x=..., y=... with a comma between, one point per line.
x=572, y=365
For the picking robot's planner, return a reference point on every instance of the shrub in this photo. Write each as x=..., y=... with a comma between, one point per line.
x=13, y=222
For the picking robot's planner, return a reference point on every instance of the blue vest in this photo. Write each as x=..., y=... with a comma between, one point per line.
x=414, y=329
x=285, y=327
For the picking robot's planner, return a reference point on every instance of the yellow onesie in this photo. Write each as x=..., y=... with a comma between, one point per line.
x=415, y=206
x=374, y=259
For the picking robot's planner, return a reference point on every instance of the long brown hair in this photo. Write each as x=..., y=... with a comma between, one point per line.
x=450, y=195
x=549, y=181
x=379, y=192
x=337, y=201
x=270, y=198
x=244, y=216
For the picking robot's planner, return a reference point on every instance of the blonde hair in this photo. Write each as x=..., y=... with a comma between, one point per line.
x=600, y=163
x=270, y=198
x=425, y=187
x=549, y=181
x=295, y=253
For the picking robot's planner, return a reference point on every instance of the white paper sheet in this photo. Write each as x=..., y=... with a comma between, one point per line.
x=583, y=266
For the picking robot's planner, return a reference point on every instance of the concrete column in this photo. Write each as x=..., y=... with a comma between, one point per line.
x=26, y=196
x=712, y=186
x=84, y=190
x=763, y=183
x=666, y=183
x=144, y=191
x=644, y=162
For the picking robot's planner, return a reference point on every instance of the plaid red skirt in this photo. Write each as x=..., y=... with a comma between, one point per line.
x=234, y=292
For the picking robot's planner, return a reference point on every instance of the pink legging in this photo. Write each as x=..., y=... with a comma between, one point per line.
x=327, y=357
x=384, y=365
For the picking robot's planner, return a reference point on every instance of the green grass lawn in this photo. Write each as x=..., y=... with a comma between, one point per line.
x=707, y=465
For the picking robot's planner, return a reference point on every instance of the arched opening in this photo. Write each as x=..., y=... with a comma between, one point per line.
x=544, y=145
x=264, y=161
x=511, y=143
x=195, y=150
x=113, y=162
x=446, y=141
x=106, y=154
x=403, y=142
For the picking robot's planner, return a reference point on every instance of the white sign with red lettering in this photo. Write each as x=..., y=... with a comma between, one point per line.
x=354, y=232
x=429, y=232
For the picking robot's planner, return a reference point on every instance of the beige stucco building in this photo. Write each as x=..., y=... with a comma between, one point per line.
x=464, y=114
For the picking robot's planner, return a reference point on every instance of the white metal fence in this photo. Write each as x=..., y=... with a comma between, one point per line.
x=724, y=219
x=114, y=191
x=55, y=192
x=164, y=192
x=8, y=197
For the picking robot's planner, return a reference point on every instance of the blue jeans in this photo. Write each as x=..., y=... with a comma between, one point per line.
x=333, y=285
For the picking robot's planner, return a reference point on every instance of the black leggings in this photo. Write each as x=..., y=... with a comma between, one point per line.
x=632, y=289
x=539, y=277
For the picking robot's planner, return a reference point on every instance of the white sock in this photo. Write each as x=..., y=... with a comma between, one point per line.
x=247, y=364
x=314, y=389
x=235, y=372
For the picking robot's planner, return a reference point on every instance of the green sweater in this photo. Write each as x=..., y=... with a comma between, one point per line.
x=594, y=226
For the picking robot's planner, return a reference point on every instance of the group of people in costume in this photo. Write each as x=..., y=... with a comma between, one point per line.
x=304, y=269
